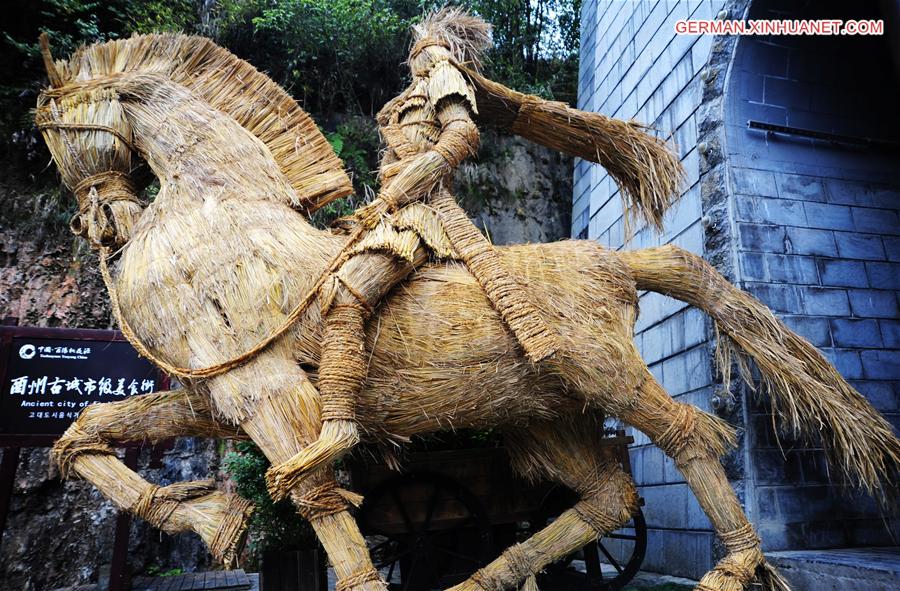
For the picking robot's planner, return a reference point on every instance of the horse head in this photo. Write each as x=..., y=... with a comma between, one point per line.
x=97, y=136
x=89, y=138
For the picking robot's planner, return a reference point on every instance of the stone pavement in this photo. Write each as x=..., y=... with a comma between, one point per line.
x=872, y=569
x=219, y=580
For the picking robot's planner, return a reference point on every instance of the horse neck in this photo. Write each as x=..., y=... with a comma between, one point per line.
x=201, y=155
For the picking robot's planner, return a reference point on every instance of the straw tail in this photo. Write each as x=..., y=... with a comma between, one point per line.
x=807, y=393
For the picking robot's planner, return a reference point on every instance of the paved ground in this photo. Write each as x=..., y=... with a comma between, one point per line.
x=238, y=581
x=642, y=582
x=657, y=582
x=872, y=569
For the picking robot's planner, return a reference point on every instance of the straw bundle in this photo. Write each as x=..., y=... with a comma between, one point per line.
x=806, y=391
x=647, y=171
x=221, y=261
x=219, y=518
x=465, y=36
x=231, y=86
x=89, y=130
x=429, y=132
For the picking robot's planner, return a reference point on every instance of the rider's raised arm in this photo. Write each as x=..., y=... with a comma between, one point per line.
x=411, y=180
x=644, y=166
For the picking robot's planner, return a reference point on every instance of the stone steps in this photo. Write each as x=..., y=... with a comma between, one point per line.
x=872, y=569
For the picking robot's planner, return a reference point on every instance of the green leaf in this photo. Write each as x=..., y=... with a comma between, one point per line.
x=336, y=141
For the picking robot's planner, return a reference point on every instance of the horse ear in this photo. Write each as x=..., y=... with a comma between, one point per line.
x=52, y=72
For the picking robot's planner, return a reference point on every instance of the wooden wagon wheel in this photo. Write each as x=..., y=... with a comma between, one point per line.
x=624, y=549
x=633, y=539
x=440, y=535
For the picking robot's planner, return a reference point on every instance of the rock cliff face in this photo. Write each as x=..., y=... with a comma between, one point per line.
x=517, y=191
x=61, y=533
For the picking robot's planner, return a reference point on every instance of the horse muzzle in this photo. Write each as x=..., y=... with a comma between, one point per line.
x=108, y=209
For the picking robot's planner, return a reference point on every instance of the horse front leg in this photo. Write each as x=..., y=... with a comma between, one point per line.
x=281, y=414
x=85, y=449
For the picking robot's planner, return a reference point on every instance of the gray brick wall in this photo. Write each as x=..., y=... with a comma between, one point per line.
x=809, y=228
x=634, y=66
x=817, y=228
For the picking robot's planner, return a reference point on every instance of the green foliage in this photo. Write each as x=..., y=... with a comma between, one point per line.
x=334, y=55
x=347, y=55
x=273, y=526
x=69, y=24
x=36, y=210
x=535, y=44
x=155, y=570
x=343, y=59
x=355, y=140
x=154, y=16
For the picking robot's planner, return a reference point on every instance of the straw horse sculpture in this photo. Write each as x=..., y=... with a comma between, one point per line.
x=224, y=253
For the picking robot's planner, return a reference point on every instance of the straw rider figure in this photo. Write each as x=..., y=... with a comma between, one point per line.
x=428, y=131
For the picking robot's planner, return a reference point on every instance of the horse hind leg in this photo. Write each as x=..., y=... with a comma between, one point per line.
x=695, y=440
x=566, y=451
x=85, y=449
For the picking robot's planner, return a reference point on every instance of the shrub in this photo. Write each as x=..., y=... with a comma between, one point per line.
x=273, y=526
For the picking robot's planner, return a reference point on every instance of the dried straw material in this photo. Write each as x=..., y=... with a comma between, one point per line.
x=430, y=132
x=647, y=171
x=324, y=500
x=221, y=261
x=157, y=503
x=89, y=129
x=219, y=518
x=806, y=391
x=440, y=98
x=424, y=221
x=366, y=575
x=505, y=293
x=465, y=36
x=566, y=450
x=225, y=82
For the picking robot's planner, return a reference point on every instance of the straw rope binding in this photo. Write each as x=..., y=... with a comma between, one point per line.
x=366, y=575
x=221, y=265
x=507, y=295
x=239, y=360
x=74, y=442
x=157, y=503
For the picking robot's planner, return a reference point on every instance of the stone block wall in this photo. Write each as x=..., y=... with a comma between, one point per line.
x=818, y=232
x=809, y=227
x=634, y=66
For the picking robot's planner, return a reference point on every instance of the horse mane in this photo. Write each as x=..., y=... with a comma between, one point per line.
x=232, y=86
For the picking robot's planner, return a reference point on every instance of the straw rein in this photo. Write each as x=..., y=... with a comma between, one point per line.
x=226, y=366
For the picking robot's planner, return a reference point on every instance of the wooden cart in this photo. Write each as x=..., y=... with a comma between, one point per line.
x=450, y=512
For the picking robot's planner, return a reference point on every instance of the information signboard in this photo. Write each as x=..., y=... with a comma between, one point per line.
x=49, y=375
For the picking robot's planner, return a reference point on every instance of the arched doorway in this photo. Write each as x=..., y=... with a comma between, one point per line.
x=818, y=240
